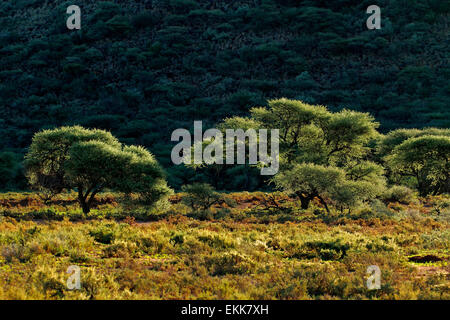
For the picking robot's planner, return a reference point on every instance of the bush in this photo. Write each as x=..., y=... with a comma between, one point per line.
x=400, y=194
x=119, y=25
x=144, y=20
x=325, y=250
x=103, y=235
x=120, y=249
x=154, y=243
x=230, y=263
x=202, y=196
x=217, y=241
x=14, y=252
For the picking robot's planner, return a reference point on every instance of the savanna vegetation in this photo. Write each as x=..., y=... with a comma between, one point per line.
x=141, y=69
x=379, y=202
x=344, y=204
x=261, y=246
x=364, y=150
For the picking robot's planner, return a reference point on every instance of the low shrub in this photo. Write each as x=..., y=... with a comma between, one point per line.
x=400, y=194
x=216, y=241
x=324, y=250
x=103, y=234
x=230, y=263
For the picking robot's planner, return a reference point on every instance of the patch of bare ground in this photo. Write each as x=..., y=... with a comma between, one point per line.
x=426, y=271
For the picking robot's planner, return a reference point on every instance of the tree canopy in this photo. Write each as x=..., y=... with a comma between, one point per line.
x=323, y=154
x=91, y=161
x=142, y=69
x=426, y=159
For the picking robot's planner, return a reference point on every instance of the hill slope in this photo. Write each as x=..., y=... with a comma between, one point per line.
x=144, y=68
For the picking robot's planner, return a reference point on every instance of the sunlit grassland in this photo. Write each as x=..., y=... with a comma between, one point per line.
x=251, y=251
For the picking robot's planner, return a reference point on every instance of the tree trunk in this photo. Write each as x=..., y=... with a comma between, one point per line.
x=85, y=200
x=82, y=200
x=324, y=203
x=85, y=207
x=304, y=200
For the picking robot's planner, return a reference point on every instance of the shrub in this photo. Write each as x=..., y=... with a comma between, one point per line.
x=325, y=250
x=103, y=234
x=177, y=239
x=14, y=252
x=377, y=209
x=119, y=25
x=400, y=194
x=216, y=241
x=144, y=20
x=78, y=256
x=230, y=263
x=120, y=249
x=425, y=159
x=201, y=196
x=154, y=243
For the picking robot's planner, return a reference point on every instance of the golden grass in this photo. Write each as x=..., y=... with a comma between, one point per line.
x=247, y=252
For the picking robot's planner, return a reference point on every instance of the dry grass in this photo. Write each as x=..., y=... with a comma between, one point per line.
x=252, y=251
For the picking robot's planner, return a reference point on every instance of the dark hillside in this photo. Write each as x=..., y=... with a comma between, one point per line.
x=144, y=68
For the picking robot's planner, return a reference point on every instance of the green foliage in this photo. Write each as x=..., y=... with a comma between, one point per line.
x=90, y=161
x=316, y=256
x=322, y=154
x=201, y=196
x=230, y=263
x=426, y=159
x=103, y=234
x=311, y=133
x=238, y=55
x=118, y=25
x=400, y=194
x=324, y=250
x=10, y=171
x=144, y=20
x=388, y=142
x=49, y=152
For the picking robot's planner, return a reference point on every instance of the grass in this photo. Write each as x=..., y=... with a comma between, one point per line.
x=251, y=251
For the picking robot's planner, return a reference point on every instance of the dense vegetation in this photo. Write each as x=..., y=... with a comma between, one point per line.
x=143, y=68
x=266, y=247
x=364, y=149
x=90, y=161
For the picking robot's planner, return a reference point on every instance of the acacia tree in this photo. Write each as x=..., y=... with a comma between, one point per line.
x=90, y=161
x=322, y=154
x=387, y=143
x=309, y=181
x=426, y=159
x=419, y=163
x=201, y=196
x=244, y=174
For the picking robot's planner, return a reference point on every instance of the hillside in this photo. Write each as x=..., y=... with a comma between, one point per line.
x=144, y=68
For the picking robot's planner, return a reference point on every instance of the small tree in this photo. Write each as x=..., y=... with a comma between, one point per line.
x=322, y=154
x=90, y=161
x=426, y=159
x=201, y=196
x=309, y=181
